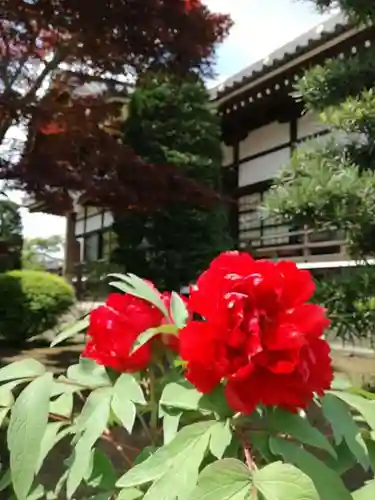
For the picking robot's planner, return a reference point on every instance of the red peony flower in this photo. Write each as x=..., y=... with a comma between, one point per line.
x=115, y=326
x=257, y=333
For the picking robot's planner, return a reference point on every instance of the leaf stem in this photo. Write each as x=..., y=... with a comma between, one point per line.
x=108, y=436
x=153, y=404
x=249, y=462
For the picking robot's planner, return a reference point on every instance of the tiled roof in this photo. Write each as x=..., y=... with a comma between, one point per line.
x=325, y=31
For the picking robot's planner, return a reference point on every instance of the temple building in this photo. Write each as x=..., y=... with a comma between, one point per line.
x=262, y=123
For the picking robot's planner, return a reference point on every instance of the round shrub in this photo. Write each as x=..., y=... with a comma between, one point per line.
x=31, y=302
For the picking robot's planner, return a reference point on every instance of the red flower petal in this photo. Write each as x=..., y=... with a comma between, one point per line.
x=259, y=334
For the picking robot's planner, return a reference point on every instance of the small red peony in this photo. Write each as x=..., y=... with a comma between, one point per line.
x=115, y=326
x=258, y=334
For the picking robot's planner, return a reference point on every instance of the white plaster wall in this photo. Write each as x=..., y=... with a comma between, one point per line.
x=80, y=212
x=93, y=223
x=107, y=219
x=79, y=227
x=265, y=138
x=262, y=168
x=227, y=154
x=93, y=211
x=309, y=124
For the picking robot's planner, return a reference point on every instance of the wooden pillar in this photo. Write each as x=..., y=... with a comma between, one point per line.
x=71, y=247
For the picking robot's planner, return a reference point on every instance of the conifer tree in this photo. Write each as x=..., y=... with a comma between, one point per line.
x=172, y=122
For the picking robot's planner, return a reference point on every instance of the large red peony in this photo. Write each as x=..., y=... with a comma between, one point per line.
x=257, y=333
x=115, y=326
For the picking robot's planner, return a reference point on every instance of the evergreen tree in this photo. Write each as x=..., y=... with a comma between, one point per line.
x=173, y=123
x=10, y=236
x=330, y=182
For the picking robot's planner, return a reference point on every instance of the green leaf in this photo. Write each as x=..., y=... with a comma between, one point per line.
x=62, y=385
x=125, y=411
x=6, y=480
x=327, y=483
x=103, y=474
x=6, y=395
x=28, y=423
x=139, y=288
x=344, y=428
x=181, y=395
x=144, y=454
x=365, y=493
x=62, y=406
x=171, y=421
x=37, y=493
x=227, y=479
x=176, y=463
x=221, y=437
x=3, y=414
x=363, y=406
x=71, y=331
x=127, y=387
x=279, y=481
x=216, y=402
x=260, y=441
x=130, y=494
x=300, y=428
x=178, y=310
x=101, y=496
x=149, y=334
x=182, y=474
x=88, y=374
x=78, y=469
x=97, y=404
x=91, y=424
x=345, y=459
x=370, y=444
x=25, y=368
x=50, y=438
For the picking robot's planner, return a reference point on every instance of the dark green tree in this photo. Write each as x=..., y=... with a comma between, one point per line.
x=175, y=124
x=330, y=182
x=10, y=235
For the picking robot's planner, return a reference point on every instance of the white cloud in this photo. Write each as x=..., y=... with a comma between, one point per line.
x=260, y=28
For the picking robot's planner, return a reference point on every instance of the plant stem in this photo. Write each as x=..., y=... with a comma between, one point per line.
x=146, y=429
x=153, y=404
x=249, y=462
x=108, y=436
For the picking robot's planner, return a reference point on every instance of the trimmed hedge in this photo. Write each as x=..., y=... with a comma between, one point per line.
x=31, y=302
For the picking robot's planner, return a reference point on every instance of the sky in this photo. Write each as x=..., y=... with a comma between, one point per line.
x=260, y=27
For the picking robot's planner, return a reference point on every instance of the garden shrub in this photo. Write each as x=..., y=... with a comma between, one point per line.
x=31, y=302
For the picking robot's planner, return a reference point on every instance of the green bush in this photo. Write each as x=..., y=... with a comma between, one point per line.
x=31, y=302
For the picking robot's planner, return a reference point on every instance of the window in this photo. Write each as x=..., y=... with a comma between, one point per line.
x=108, y=244
x=99, y=245
x=91, y=247
x=254, y=229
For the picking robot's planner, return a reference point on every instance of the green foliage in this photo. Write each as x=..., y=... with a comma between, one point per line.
x=170, y=123
x=359, y=10
x=10, y=236
x=41, y=254
x=323, y=188
x=192, y=464
x=332, y=183
x=32, y=302
x=332, y=83
x=205, y=452
x=348, y=296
